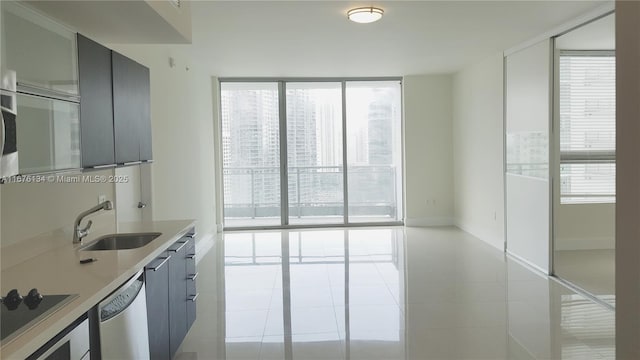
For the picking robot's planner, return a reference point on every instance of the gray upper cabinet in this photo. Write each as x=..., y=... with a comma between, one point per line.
x=131, y=112
x=79, y=104
x=96, y=105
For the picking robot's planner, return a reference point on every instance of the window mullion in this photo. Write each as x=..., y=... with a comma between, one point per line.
x=284, y=167
x=345, y=183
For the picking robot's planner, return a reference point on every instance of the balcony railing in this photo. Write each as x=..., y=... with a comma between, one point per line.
x=314, y=191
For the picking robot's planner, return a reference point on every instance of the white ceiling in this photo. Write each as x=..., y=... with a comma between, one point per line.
x=314, y=38
x=597, y=35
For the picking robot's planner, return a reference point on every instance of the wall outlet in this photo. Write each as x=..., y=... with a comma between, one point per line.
x=102, y=198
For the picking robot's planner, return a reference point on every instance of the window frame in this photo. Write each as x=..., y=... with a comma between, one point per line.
x=580, y=157
x=282, y=81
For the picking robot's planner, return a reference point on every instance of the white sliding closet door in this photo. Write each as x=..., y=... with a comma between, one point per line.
x=527, y=124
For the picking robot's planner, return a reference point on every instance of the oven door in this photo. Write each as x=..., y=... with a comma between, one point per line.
x=71, y=344
x=8, y=134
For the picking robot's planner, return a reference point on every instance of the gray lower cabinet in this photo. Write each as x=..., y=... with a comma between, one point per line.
x=157, y=280
x=192, y=274
x=171, y=294
x=177, y=295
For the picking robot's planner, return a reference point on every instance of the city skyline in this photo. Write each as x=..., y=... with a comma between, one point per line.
x=251, y=145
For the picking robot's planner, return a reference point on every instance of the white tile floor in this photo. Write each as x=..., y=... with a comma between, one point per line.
x=591, y=270
x=384, y=293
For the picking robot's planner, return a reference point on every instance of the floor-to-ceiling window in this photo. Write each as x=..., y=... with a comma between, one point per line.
x=251, y=153
x=311, y=152
x=314, y=152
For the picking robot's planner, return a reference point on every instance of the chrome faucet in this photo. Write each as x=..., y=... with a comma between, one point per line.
x=78, y=232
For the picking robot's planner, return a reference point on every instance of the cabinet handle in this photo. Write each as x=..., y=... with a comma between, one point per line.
x=164, y=261
x=179, y=248
x=103, y=166
x=31, y=89
x=194, y=297
x=193, y=277
x=192, y=236
x=191, y=256
x=131, y=163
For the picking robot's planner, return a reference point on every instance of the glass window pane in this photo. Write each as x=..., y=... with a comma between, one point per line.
x=587, y=127
x=251, y=153
x=314, y=147
x=374, y=152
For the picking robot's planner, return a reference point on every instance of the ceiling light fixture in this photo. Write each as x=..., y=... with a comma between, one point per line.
x=365, y=15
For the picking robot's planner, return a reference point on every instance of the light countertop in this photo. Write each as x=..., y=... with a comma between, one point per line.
x=58, y=271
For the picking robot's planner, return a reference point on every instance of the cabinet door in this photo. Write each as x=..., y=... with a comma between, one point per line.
x=96, y=105
x=192, y=274
x=130, y=107
x=177, y=295
x=157, y=279
x=144, y=129
x=41, y=52
x=47, y=134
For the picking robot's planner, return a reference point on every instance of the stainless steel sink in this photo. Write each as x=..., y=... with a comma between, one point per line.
x=121, y=241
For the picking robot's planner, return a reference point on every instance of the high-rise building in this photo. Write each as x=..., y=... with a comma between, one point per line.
x=250, y=144
x=380, y=121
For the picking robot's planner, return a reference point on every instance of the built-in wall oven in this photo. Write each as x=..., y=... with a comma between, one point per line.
x=8, y=134
x=71, y=344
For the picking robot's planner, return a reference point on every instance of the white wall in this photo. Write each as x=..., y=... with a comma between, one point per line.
x=428, y=150
x=182, y=174
x=32, y=209
x=478, y=148
x=584, y=226
x=128, y=194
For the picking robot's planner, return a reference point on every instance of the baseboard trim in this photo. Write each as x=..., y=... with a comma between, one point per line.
x=584, y=243
x=494, y=242
x=430, y=221
x=204, y=244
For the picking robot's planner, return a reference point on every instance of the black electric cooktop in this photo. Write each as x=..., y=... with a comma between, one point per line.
x=20, y=313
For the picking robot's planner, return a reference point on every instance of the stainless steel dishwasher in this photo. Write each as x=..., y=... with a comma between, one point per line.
x=123, y=322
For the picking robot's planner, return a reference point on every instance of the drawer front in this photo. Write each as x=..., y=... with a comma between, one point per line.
x=192, y=275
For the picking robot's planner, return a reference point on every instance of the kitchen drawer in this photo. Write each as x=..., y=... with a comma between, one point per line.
x=192, y=275
x=192, y=297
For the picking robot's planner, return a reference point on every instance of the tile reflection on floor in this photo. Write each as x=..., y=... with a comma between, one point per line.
x=384, y=293
x=591, y=270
